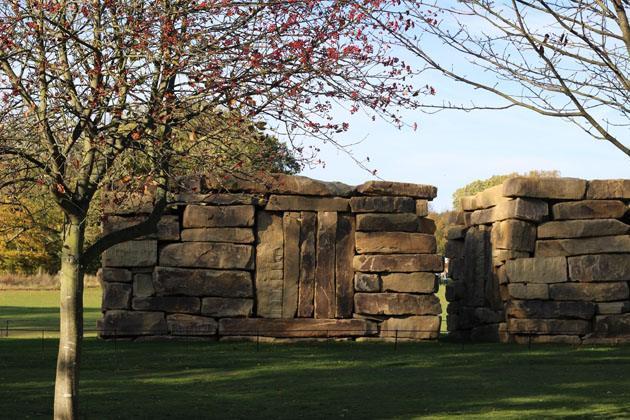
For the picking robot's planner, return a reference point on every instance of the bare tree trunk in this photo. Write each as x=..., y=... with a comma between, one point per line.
x=71, y=324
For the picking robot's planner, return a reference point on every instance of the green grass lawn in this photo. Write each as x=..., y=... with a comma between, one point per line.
x=205, y=380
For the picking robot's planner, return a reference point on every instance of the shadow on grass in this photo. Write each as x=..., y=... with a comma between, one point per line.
x=336, y=380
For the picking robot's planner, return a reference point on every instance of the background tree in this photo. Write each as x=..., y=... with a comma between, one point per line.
x=93, y=93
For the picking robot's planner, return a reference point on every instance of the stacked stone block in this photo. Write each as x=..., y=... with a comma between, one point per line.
x=277, y=256
x=542, y=260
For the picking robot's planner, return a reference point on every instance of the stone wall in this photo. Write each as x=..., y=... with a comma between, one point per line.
x=278, y=256
x=542, y=260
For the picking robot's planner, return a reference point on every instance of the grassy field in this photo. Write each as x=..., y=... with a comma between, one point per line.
x=206, y=380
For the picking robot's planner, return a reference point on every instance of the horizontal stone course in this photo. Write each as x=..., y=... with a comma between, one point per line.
x=184, y=324
x=297, y=327
x=581, y=246
x=593, y=292
x=415, y=327
x=193, y=282
x=382, y=205
x=396, y=304
x=519, y=208
x=398, y=189
x=600, y=267
x=218, y=216
x=599, y=189
x=131, y=323
x=181, y=304
x=402, y=263
x=582, y=228
x=589, y=209
x=537, y=270
x=399, y=222
x=549, y=326
x=131, y=254
x=208, y=255
x=232, y=235
x=394, y=243
x=220, y=307
x=299, y=203
x=551, y=188
x=545, y=309
x=409, y=282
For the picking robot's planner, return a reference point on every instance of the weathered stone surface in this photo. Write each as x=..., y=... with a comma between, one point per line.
x=500, y=256
x=520, y=208
x=456, y=269
x=167, y=226
x=269, y=265
x=454, y=249
x=500, y=274
x=422, y=208
x=537, y=270
x=410, y=282
x=116, y=275
x=414, y=327
x=455, y=291
x=218, y=216
x=611, y=308
x=600, y=267
x=589, y=209
x=514, y=235
x=232, y=235
x=599, y=189
x=208, y=255
x=548, y=339
x=469, y=203
x=397, y=222
x=477, y=265
x=300, y=203
x=548, y=326
x=487, y=333
x=396, y=304
x=400, y=189
x=452, y=322
x=594, y=292
x=401, y=263
x=612, y=325
x=325, y=300
x=291, y=229
x=117, y=202
x=549, y=309
x=190, y=282
x=382, y=205
x=395, y=243
x=143, y=285
x=553, y=188
x=226, y=307
x=582, y=228
x=131, y=254
x=426, y=225
x=483, y=200
x=220, y=199
x=568, y=247
x=456, y=232
x=528, y=290
x=364, y=282
x=184, y=304
x=344, y=274
x=298, y=327
x=182, y=324
x=488, y=316
x=308, y=261
x=116, y=296
x=277, y=184
x=125, y=323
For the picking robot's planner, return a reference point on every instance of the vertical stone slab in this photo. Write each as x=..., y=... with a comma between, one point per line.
x=291, y=229
x=269, y=264
x=344, y=272
x=308, y=229
x=478, y=264
x=325, y=271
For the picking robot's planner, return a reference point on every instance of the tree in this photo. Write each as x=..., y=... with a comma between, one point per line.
x=559, y=58
x=93, y=93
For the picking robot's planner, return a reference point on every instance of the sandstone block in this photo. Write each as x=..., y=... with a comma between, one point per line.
x=553, y=188
x=143, y=285
x=519, y=208
x=208, y=255
x=297, y=327
x=344, y=274
x=537, y=270
x=116, y=275
x=487, y=333
x=528, y=291
x=548, y=326
x=233, y=235
x=549, y=309
x=131, y=323
x=410, y=282
x=116, y=296
x=454, y=249
x=364, y=282
x=308, y=229
x=395, y=243
x=426, y=225
x=582, y=228
x=612, y=325
x=397, y=222
x=455, y=291
x=224, y=199
x=456, y=269
x=469, y=203
x=422, y=208
x=600, y=267
x=131, y=254
x=190, y=282
x=226, y=307
x=456, y=232
x=182, y=304
x=325, y=300
x=382, y=205
x=483, y=200
x=291, y=234
x=548, y=339
x=218, y=216
x=182, y=324
x=269, y=265
x=167, y=226
x=400, y=189
x=401, y=263
x=569, y=247
x=413, y=327
x=594, y=292
x=488, y=316
x=612, y=308
x=514, y=235
x=300, y=203
x=396, y=304
x=599, y=189
x=589, y=209
x=277, y=184
x=452, y=322
x=500, y=256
